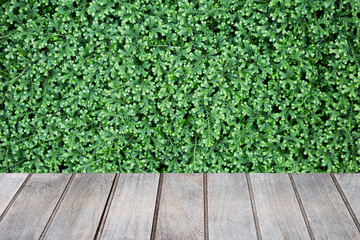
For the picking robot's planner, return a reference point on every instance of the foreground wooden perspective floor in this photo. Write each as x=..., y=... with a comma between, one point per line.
x=179, y=206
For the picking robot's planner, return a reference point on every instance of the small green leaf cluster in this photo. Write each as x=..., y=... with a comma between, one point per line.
x=179, y=86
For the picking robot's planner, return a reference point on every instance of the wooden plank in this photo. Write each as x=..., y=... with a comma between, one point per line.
x=32, y=209
x=350, y=185
x=132, y=208
x=9, y=185
x=277, y=207
x=181, y=210
x=327, y=213
x=229, y=207
x=80, y=212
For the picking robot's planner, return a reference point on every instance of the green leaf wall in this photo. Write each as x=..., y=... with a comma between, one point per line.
x=180, y=86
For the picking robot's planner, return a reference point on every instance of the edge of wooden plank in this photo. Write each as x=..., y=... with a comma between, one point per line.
x=157, y=206
x=105, y=213
x=206, y=208
x=253, y=206
x=46, y=228
x=307, y=223
x=15, y=196
x=345, y=200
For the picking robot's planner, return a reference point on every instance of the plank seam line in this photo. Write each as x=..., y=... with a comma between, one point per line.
x=344, y=198
x=57, y=206
x=15, y=196
x=157, y=207
x=253, y=206
x=206, y=207
x=302, y=209
x=106, y=210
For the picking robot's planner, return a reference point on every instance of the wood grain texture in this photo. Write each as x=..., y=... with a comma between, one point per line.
x=80, y=212
x=350, y=184
x=33, y=207
x=327, y=212
x=229, y=212
x=132, y=208
x=9, y=185
x=278, y=210
x=181, y=210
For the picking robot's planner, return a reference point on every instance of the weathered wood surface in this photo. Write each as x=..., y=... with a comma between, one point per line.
x=277, y=207
x=229, y=207
x=350, y=184
x=33, y=207
x=179, y=206
x=80, y=212
x=325, y=209
x=9, y=185
x=181, y=210
x=132, y=209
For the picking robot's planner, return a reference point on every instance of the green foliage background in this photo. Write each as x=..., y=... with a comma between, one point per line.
x=179, y=86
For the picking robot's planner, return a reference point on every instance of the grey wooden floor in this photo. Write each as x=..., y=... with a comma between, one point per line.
x=179, y=206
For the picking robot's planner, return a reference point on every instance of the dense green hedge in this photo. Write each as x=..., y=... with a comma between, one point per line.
x=180, y=86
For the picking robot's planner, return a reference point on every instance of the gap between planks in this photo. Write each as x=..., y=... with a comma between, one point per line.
x=347, y=204
x=47, y=226
x=105, y=213
x=157, y=206
x=15, y=196
x=253, y=207
x=302, y=209
x=206, y=208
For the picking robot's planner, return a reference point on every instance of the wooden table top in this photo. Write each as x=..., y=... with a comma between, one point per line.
x=179, y=206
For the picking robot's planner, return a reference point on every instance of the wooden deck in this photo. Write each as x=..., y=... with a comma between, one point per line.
x=179, y=206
